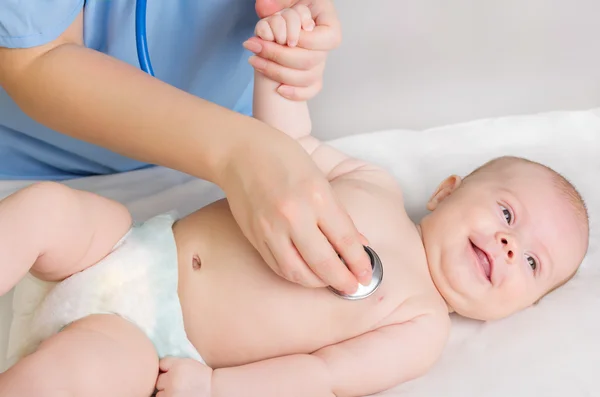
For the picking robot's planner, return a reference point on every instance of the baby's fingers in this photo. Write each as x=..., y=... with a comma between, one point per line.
x=279, y=26
x=263, y=30
x=162, y=382
x=284, y=28
x=293, y=24
x=166, y=363
x=306, y=18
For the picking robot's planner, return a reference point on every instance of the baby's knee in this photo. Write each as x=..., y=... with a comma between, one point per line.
x=44, y=195
x=102, y=353
x=123, y=351
x=16, y=384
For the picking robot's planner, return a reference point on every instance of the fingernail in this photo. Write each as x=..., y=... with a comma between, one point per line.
x=364, y=240
x=252, y=46
x=285, y=91
x=310, y=27
x=296, y=277
x=292, y=43
x=351, y=291
x=364, y=278
x=257, y=62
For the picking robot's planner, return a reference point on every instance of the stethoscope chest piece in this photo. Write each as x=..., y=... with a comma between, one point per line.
x=365, y=291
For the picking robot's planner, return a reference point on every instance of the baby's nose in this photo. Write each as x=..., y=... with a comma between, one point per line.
x=509, y=246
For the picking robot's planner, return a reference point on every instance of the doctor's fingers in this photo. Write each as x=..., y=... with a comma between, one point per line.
x=290, y=57
x=284, y=259
x=283, y=75
x=300, y=93
x=317, y=251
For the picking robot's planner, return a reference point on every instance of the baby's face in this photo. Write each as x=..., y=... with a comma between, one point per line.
x=502, y=240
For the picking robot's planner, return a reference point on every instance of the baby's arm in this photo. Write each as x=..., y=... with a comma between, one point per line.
x=370, y=363
x=56, y=231
x=293, y=117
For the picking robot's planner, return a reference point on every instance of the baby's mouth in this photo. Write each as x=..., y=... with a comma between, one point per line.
x=484, y=260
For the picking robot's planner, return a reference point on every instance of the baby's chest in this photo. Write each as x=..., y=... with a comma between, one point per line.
x=405, y=281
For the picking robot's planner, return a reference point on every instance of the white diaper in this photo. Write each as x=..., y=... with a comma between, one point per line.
x=136, y=281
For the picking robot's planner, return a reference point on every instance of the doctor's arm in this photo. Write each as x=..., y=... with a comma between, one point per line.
x=370, y=363
x=93, y=97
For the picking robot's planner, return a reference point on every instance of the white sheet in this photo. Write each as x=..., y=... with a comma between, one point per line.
x=550, y=350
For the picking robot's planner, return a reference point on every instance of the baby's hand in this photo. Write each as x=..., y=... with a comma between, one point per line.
x=284, y=27
x=183, y=377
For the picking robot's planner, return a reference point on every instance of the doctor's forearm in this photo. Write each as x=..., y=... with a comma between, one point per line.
x=93, y=97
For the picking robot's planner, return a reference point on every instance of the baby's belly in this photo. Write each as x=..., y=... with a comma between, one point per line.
x=236, y=310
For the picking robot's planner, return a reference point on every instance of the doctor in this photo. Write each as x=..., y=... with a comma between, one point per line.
x=74, y=102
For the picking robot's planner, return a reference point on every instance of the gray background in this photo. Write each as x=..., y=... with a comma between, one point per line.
x=422, y=63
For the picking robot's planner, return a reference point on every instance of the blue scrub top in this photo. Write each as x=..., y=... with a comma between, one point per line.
x=194, y=45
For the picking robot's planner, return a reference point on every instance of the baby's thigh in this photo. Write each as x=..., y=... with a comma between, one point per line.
x=100, y=355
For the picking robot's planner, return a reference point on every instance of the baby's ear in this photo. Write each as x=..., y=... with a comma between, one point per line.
x=443, y=191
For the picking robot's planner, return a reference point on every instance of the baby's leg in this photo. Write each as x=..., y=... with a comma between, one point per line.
x=98, y=356
x=56, y=231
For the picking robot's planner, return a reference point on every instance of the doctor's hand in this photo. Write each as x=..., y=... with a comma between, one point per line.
x=289, y=213
x=299, y=69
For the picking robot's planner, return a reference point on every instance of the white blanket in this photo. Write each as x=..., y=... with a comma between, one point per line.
x=552, y=349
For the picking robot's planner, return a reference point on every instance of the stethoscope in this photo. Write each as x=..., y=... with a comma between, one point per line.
x=144, y=59
x=364, y=291
x=140, y=37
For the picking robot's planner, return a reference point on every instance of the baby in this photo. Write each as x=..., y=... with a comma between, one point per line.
x=190, y=301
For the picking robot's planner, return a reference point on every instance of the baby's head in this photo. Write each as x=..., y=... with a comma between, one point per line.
x=503, y=237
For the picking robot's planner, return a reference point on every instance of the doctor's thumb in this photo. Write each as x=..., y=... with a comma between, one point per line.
x=265, y=8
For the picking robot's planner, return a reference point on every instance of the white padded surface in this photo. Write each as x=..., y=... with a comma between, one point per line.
x=552, y=349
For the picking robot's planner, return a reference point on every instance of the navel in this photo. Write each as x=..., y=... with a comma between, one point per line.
x=196, y=262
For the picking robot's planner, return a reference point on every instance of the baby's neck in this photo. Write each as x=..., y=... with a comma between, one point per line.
x=419, y=230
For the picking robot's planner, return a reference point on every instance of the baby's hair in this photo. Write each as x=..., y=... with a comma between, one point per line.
x=564, y=187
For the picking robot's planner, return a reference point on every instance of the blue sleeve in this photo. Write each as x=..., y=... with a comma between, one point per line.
x=29, y=23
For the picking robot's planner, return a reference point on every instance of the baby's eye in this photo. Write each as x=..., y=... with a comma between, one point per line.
x=507, y=214
x=531, y=262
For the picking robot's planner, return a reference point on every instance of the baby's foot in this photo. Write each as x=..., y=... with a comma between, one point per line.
x=284, y=27
x=183, y=377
